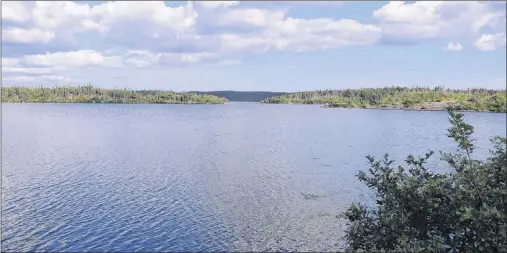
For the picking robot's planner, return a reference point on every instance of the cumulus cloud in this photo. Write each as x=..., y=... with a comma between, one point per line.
x=454, y=47
x=54, y=15
x=226, y=62
x=253, y=17
x=26, y=70
x=25, y=79
x=321, y=34
x=295, y=4
x=219, y=33
x=298, y=35
x=31, y=35
x=414, y=22
x=46, y=80
x=141, y=59
x=74, y=59
x=9, y=62
x=217, y=4
x=490, y=42
x=14, y=11
x=157, y=13
x=174, y=33
x=54, y=19
x=202, y=26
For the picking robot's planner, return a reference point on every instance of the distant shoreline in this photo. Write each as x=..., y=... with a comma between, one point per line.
x=248, y=102
x=111, y=103
x=409, y=109
x=401, y=98
x=388, y=98
x=92, y=95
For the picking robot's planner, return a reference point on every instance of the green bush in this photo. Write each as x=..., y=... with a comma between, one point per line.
x=420, y=211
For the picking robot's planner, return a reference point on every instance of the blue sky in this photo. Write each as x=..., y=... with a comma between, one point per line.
x=275, y=46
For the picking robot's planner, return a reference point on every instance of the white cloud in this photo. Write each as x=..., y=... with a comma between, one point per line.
x=254, y=17
x=13, y=65
x=454, y=46
x=227, y=62
x=141, y=59
x=38, y=79
x=73, y=59
x=487, y=20
x=9, y=62
x=31, y=35
x=253, y=44
x=50, y=19
x=57, y=62
x=490, y=42
x=27, y=70
x=51, y=15
x=147, y=34
x=217, y=4
x=115, y=13
x=196, y=57
x=316, y=3
x=401, y=21
x=417, y=13
x=160, y=26
x=14, y=11
x=300, y=4
x=298, y=35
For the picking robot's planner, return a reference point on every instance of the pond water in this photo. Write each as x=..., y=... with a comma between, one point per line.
x=233, y=177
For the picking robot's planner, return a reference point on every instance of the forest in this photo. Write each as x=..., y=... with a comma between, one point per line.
x=91, y=94
x=418, y=98
x=242, y=96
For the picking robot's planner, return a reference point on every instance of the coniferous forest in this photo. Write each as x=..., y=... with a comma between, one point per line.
x=416, y=98
x=91, y=94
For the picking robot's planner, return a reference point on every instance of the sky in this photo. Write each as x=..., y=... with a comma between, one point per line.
x=271, y=45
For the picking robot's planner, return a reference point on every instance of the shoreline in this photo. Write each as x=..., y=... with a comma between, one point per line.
x=229, y=102
x=109, y=103
x=409, y=109
x=386, y=108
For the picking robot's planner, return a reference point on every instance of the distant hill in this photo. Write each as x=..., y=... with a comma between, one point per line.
x=242, y=96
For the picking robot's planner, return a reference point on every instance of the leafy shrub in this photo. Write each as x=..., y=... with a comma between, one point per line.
x=420, y=211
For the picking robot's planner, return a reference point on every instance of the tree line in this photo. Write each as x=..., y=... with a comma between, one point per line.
x=91, y=94
x=401, y=97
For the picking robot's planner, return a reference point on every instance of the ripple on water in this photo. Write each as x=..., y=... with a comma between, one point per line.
x=165, y=178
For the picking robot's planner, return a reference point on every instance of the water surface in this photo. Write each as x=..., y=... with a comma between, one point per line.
x=234, y=177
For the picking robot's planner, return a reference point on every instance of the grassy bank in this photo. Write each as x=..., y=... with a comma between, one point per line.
x=90, y=94
x=402, y=98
